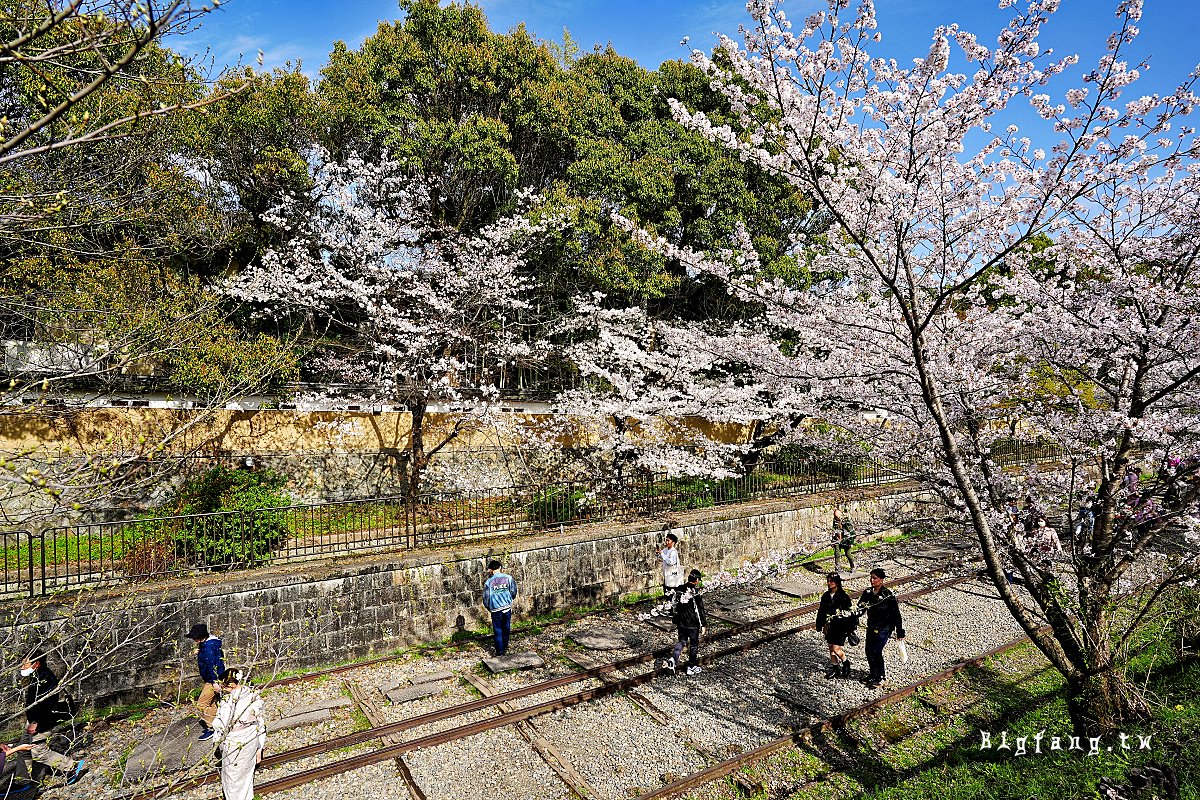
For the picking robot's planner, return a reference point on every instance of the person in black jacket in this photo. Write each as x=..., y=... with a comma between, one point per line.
x=836, y=620
x=883, y=619
x=687, y=609
x=44, y=709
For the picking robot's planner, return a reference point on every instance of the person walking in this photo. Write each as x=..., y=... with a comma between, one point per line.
x=882, y=611
x=499, y=592
x=240, y=725
x=210, y=661
x=843, y=535
x=835, y=619
x=672, y=571
x=687, y=609
x=45, y=708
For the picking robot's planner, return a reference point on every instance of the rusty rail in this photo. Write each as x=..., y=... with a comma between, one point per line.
x=518, y=715
x=728, y=766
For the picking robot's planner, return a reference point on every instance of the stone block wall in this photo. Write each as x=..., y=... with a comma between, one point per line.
x=303, y=616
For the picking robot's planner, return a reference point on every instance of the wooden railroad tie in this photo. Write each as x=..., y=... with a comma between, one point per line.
x=549, y=753
x=371, y=709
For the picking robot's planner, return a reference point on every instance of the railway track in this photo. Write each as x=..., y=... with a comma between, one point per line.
x=513, y=716
x=731, y=765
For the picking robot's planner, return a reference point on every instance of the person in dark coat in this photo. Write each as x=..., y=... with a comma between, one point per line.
x=210, y=660
x=882, y=611
x=836, y=620
x=843, y=534
x=45, y=708
x=687, y=609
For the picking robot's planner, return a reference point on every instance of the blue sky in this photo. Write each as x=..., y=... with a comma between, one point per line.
x=650, y=30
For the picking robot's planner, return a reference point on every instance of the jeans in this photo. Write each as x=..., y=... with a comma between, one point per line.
x=691, y=637
x=501, y=626
x=875, y=640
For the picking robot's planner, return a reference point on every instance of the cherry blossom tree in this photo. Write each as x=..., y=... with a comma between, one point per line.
x=645, y=382
x=975, y=288
x=401, y=309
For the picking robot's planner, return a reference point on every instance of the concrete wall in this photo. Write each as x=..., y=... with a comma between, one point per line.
x=310, y=615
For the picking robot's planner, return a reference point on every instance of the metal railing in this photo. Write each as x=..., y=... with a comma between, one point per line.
x=115, y=553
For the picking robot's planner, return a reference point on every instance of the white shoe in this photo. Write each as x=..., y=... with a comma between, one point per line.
x=669, y=665
x=694, y=670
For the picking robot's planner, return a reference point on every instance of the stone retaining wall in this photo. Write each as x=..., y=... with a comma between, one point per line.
x=307, y=615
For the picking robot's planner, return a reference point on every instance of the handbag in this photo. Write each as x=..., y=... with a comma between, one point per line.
x=852, y=638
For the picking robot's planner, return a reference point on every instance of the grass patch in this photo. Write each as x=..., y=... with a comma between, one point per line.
x=959, y=768
x=929, y=745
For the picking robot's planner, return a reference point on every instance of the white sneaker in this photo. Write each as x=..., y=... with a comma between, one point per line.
x=694, y=670
x=669, y=665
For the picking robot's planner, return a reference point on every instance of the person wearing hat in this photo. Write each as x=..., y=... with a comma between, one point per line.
x=210, y=660
x=687, y=609
x=241, y=726
x=835, y=619
x=843, y=535
x=883, y=618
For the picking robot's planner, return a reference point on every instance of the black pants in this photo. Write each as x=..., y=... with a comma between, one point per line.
x=690, y=637
x=875, y=641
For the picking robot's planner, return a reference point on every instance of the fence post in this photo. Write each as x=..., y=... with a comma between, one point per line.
x=32, y=593
x=42, y=552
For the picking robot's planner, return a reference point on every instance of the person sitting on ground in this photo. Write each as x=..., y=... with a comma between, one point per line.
x=835, y=620
x=687, y=609
x=241, y=727
x=44, y=709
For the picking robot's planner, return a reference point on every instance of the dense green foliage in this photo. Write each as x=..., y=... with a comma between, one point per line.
x=243, y=539
x=220, y=519
x=180, y=201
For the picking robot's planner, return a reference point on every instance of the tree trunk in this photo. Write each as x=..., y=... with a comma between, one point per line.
x=417, y=460
x=1101, y=703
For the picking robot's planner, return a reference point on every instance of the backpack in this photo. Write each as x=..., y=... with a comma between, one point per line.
x=14, y=788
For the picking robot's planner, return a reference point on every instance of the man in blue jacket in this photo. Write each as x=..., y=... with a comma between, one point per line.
x=499, y=592
x=211, y=662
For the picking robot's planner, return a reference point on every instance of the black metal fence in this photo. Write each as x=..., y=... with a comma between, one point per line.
x=114, y=553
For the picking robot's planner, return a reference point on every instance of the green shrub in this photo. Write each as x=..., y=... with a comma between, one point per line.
x=557, y=505
x=683, y=494
x=223, y=519
x=800, y=460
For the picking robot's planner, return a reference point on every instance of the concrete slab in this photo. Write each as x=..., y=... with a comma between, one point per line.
x=403, y=694
x=513, y=661
x=602, y=639
x=173, y=749
x=334, y=702
x=734, y=602
x=293, y=720
x=430, y=677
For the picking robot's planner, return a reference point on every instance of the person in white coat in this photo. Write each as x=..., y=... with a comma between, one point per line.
x=672, y=570
x=241, y=728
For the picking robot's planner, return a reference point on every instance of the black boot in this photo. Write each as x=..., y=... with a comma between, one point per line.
x=831, y=671
x=846, y=668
